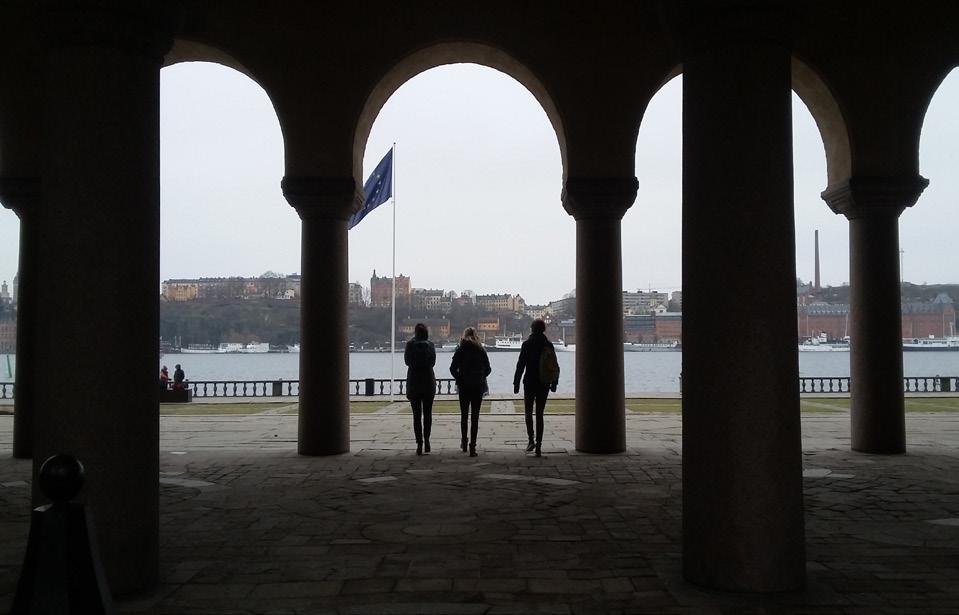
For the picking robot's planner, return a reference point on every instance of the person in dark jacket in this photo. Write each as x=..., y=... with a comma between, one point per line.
x=420, y=357
x=534, y=391
x=178, y=378
x=470, y=367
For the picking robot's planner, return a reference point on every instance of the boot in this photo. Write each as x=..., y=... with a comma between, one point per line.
x=419, y=448
x=530, y=446
x=426, y=447
x=472, y=450
x=538, y=454
x=463, y=444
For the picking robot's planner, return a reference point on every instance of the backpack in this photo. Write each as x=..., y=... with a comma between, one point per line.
x=548, y=365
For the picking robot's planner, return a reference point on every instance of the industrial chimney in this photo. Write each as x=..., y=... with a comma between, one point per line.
x=817, y=286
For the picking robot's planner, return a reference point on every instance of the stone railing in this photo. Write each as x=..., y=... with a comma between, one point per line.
x=372, y=387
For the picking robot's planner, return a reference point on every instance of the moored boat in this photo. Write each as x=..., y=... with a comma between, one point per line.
x=930, y=343
x=650, y=347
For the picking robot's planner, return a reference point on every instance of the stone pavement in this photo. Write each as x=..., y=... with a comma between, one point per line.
x=248, y=526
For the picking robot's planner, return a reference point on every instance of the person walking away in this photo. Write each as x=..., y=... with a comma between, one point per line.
x=537, y=358
x=178, y=378
x=420, y=357
x=470, y=367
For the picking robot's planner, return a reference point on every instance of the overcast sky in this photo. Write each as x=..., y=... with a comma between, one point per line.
x=478, y=181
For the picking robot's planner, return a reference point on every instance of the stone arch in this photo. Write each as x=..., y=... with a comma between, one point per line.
x=825, y=110
x=444, y=54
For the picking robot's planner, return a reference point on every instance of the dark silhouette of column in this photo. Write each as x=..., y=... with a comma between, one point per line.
x=742, y=472
x=22, y=195
x=873, y=206
x=598, y=205
x=324, y=205
x=97, y=277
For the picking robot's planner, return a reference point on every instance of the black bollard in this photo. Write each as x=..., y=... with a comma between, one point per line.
x=61, y=571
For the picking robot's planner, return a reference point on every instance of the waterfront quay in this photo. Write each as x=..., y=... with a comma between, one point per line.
x=249, y=526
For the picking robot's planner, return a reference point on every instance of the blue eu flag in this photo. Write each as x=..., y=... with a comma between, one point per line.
x=378, y=188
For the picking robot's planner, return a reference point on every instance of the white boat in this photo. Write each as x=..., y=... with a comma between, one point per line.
x=930, y=343
x=562, y=346
x=201, y=349
x=256, y=348
x=503, y=343
x=296, y=348
x=650, y=347
x=229, y=347
x=821, y=343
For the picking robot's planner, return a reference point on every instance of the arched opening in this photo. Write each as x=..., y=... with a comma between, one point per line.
x=478, y=177
x=927, y=237
x=225, y=226
x=9, y=259
x=652, y=250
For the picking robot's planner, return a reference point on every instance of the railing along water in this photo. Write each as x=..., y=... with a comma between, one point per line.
x=374, y=387
x=291, y=388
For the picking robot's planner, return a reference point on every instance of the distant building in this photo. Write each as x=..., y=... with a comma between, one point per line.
x=501, y=303
x=676, y=301
x=355, y=296
x=643, y=302
x=439, y=328
x=429, y=300
x=488, y=326
x=936, y=319
x=4, y=293
x=180, y=290
x=669, y=327
x=8, y=336
x=538, y=311
x=381, y=291
x=563, y=308
x=639, y=328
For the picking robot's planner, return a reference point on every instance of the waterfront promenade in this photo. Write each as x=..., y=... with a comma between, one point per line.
x=248, y=526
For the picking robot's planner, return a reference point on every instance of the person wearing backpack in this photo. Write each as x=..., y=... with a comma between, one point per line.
x=420, y=357
x=470, y=366
x=537, y=358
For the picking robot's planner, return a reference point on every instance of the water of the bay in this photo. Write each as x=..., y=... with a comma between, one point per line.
x=646, y=372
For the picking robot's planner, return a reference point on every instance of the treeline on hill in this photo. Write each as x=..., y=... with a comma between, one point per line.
x=243, y=321
x=911, y=293
x=278, y=322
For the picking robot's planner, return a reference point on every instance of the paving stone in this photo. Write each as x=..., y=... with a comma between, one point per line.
x=248, y=526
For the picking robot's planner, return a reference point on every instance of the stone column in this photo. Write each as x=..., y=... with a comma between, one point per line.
x=97, y=277
x=873, y=205
x=22, y=195
x=742, y=470
x=324, y=205
x=598, y=205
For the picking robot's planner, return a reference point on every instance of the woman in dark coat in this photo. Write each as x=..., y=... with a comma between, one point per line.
x=420, y=357
x=470, y=367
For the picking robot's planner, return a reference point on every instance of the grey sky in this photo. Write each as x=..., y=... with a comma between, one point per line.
x=478, y=181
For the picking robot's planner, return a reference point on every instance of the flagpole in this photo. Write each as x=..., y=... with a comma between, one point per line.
x=393, y=301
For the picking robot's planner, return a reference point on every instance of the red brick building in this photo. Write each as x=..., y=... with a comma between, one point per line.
x=935, y=319
x=8, y=336
x=381, y=291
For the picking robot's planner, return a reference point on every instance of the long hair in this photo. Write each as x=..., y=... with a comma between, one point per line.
x=420, y=331
x=469, y=337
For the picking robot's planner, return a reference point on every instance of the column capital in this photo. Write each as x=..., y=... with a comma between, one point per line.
x=322, y=198
x=20, y=194
x=144, y=27
x=858, y=197
x=599, y=197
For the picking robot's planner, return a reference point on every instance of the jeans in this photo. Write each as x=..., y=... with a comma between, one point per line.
x=470, y=399
x=422, y=418
x=537, y=394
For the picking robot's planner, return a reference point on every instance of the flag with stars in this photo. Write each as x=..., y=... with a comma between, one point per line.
x=378, y=188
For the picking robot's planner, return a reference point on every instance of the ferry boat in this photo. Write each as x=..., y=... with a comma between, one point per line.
x=503, y=343
x=256, y=348
x=295, y=348
x=821, y=343
x=650, y=347
x=930, y=343
x=201, y=349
